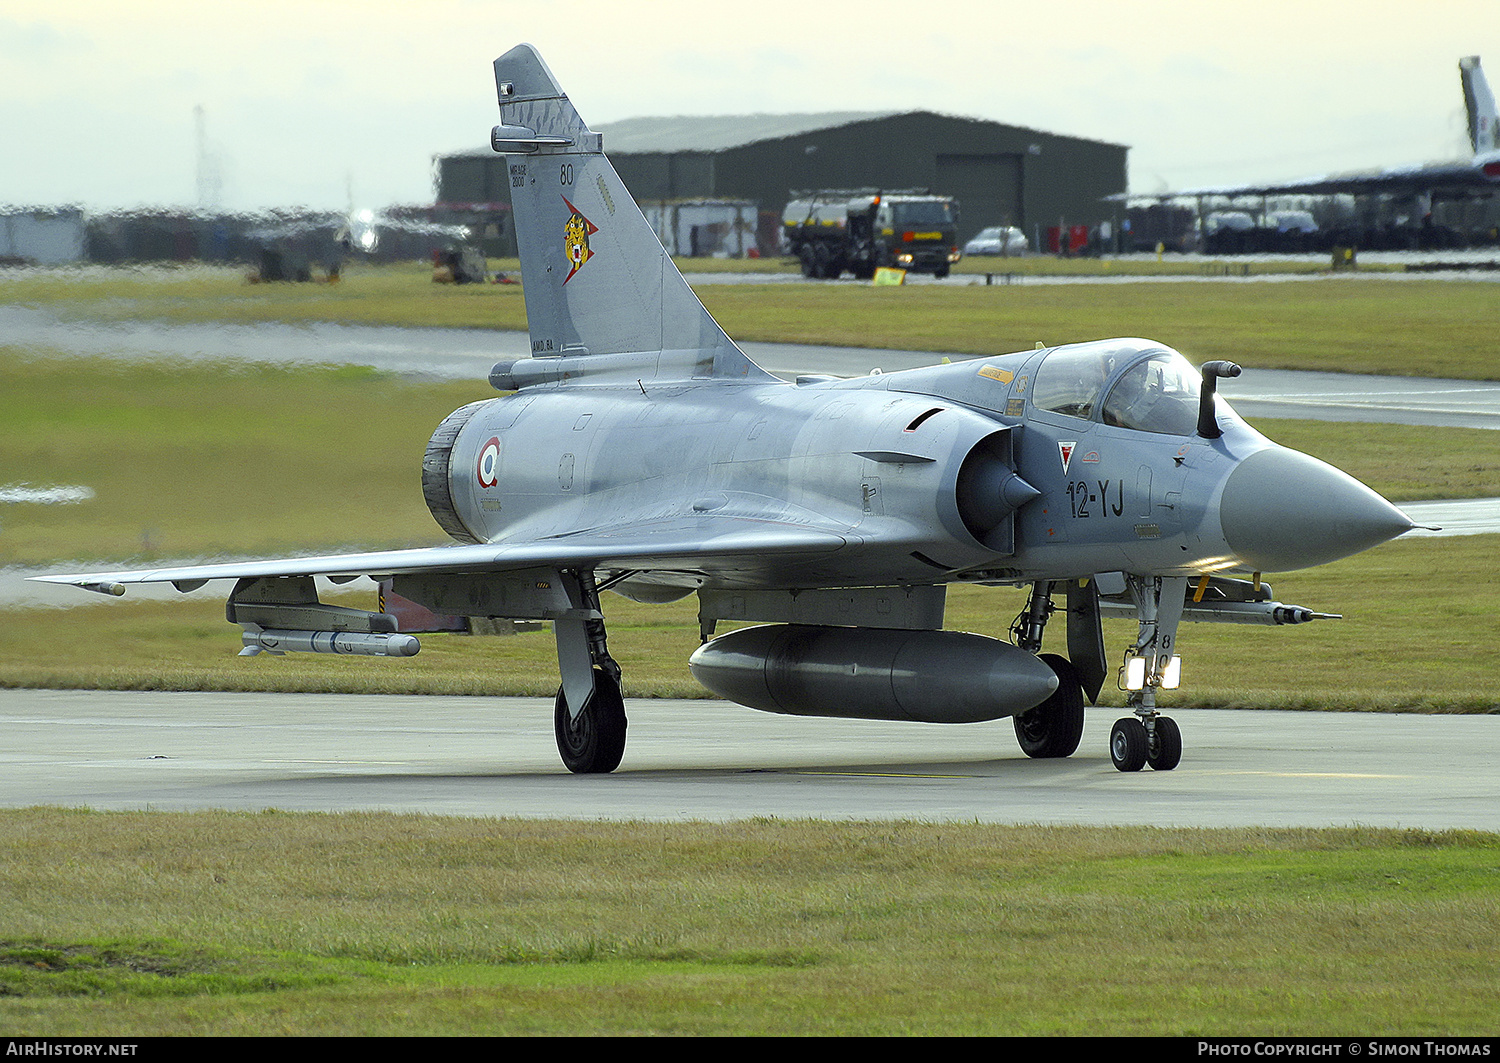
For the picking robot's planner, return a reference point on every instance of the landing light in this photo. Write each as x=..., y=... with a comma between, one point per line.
x=1133, y=674
x=1171, y=675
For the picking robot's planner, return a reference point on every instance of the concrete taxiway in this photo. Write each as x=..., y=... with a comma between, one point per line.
x=469, y=354
x=711, y=760
x=707, y=760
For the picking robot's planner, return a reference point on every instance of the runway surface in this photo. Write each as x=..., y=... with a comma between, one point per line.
x=711, y=760
x=469, y=354
x=706, y=760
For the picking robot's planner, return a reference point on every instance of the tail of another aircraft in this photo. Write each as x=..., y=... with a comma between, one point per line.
x=1480, y=103
x=602, y=294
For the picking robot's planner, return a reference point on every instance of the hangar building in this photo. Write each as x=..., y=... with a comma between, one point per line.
x=1000, y=174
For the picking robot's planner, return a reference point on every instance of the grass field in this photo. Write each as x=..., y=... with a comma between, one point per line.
x=195, y=460
x=141, y=924
x=1393, y=652
x=1344, y=324
x=190, y=460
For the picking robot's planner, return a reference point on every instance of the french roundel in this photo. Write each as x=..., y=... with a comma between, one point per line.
x=489, y=463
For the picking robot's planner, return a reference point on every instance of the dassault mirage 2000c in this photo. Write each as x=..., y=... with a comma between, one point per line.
x=639, y=450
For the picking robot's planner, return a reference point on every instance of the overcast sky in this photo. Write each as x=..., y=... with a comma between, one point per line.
x=322, y=102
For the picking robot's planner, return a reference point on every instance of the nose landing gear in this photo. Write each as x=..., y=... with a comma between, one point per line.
x=1135, y=743
x=1149, y=737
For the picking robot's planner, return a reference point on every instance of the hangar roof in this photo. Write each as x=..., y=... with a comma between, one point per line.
x=711, y=133
x=720, y=132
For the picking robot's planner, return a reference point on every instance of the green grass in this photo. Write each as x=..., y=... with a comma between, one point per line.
x=1106, y=266
x=1394, y=652
x=390, y=295
x=141, y=924
x=1408, y=328
x=191, y=460
x=1417, y=636
x=197, y=460
x=1415, y=328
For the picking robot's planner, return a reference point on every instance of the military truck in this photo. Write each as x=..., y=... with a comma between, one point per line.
x=832, y=231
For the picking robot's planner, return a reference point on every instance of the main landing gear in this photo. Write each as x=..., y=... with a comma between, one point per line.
x=589, y=712
x=591, y=740
x=1055, y=727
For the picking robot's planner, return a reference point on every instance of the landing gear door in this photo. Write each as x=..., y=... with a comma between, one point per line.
x=1086, y=637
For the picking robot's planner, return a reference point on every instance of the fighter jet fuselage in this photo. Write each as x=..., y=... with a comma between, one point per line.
x=639, y=450
x=941, y=474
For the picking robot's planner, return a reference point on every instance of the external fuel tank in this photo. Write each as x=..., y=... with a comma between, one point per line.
x=873, y=673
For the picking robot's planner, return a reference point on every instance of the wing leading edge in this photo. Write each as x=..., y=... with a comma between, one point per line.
x=707, y=544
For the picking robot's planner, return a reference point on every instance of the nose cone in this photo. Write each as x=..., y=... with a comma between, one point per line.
x=1283, y=510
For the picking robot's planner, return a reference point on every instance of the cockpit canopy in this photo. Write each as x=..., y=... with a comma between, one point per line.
x=1145, y=388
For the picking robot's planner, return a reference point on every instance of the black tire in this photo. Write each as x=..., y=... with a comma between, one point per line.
x=1166, y=745
x=1055, y=727
x=593, y=743
x=1128, y=744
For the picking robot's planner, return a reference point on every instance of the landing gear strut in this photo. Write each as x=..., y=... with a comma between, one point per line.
x=1055, y=727
x=1149, y=737
x=589, y=712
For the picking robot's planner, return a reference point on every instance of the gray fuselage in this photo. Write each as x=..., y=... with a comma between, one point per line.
x=876, y=462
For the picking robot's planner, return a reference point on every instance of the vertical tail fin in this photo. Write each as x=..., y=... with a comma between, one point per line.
x=602, y=294
x=1480, y=103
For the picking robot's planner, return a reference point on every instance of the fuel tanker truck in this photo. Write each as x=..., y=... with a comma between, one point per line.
x=834, y=231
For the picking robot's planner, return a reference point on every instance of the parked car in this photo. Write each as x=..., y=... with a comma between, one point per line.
x=998, y=240
x=1236, y=221
x=1291, y=221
